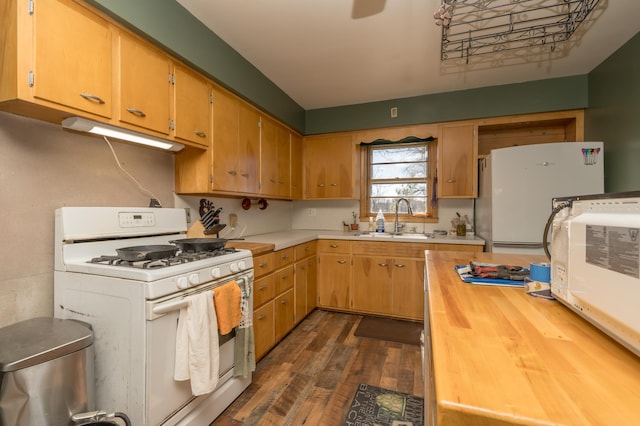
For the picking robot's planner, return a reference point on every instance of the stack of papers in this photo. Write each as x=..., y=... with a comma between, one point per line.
x=464, y=272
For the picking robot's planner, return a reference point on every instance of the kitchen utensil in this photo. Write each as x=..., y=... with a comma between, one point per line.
x=205, y=206
x=151, y=252
x=208, y=219
x=214, y=229
x=199, y=244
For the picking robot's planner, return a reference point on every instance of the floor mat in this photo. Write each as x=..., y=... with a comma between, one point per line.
x=392, y=330
x=377, y=406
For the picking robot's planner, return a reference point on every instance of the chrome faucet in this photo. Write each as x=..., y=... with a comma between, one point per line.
x=396, y=225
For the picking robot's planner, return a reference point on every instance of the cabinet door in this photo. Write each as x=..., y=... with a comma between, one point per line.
x=297, y=189
x=372, y=284
x=300, y=290
x=457, y=161
x=408, y=288
x=192, y=103
x=329, y=166
x=226, y=121
x=248, y=170
x=334, y=280
x=264, y=329
x=312, y=283
x=284, y=311
x=274, y=159
x=144, y=85
x=73, y=57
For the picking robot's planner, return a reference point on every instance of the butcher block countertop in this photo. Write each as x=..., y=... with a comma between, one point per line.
x=502, y=357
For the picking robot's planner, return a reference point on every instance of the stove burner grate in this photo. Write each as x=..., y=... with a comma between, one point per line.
x=180, y=258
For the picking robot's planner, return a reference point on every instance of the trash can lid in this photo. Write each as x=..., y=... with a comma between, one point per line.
x=38, y=340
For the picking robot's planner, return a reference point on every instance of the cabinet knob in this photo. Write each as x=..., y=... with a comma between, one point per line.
x=284, y=256
x=334, y=246
x=334, y=184
x=93, y=98
x=285, y=301
x=200, y=133
x=272, y=180
x=384, y=265
x=245, y=175
x=321, y=185
x=284, y=277
x=232, y=172
x=137, y=112
x=262, y=287
x=451, y=181
x=399, y=265
x=263, y=265
x=261, y=317
x=342, y=262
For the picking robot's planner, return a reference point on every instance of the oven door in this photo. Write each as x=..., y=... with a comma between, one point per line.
x=164, y=395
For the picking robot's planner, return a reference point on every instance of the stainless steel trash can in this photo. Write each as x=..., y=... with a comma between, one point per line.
x=46, y=371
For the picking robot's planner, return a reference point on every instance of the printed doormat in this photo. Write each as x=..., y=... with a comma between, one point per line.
x=388, y=329
x=374, y=406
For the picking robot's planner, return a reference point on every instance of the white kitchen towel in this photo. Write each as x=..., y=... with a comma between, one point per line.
x=197, y=349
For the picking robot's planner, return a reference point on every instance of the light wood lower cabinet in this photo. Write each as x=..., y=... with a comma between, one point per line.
x=375, y=277
x=283, y=306
x=264, y=329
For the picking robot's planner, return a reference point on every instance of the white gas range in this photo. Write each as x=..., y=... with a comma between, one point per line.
x=133, y=307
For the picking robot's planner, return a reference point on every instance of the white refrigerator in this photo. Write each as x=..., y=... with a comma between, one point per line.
x=517, y=185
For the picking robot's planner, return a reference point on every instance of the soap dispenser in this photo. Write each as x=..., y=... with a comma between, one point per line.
x=380, y=221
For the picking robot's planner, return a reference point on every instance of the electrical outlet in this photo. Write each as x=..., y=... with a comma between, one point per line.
x=233, y=220
x=311, y=212
x=394, y=112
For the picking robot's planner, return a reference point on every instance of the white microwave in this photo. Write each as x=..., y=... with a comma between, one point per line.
x=595, y=262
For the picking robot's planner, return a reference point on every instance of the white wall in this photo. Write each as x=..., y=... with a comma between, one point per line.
x=43, y=167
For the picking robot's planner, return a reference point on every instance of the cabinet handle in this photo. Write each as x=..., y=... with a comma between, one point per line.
x=262, y=287
x=334, y=184
x=384, y=265
x=136, y=112
x=342, y=262
x=93, y=98
x=272, y=180
x=399, y=265
x=307, y=248
x=261, y=317
x=244, y=174
x=200, y=133
x=285, y=301
x=284, y=277
x=303, y=267
x=334, y=246
x=281, y=182
x=263, y=265
x=284, y=256
x=232, y=172
x=321, y=185
x=451, y=181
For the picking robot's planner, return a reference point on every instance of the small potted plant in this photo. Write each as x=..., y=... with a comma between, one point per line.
x=355, y=225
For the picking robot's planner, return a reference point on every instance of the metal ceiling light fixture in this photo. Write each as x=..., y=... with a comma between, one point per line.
x=489, y=26
x=83, y=125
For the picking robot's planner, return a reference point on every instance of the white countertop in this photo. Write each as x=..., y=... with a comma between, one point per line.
x=285, y=239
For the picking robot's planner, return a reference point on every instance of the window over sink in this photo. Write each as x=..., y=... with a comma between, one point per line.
x=402, y=169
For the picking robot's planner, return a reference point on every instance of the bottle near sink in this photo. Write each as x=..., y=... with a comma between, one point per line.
x=380, y=221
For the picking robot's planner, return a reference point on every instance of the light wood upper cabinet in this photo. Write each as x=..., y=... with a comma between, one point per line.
x=236, y=145
x=59, y=56
x=275, y=152
x=330, y=167
x=192, y=107
x=457, y=161
x=297, y=181
x=145, y=85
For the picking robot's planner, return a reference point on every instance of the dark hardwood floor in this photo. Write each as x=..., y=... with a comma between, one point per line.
x=311, y=376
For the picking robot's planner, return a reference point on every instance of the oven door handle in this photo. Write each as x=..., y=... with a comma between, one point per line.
x=170, y=306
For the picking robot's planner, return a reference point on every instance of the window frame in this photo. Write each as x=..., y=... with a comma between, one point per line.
x=365, y=185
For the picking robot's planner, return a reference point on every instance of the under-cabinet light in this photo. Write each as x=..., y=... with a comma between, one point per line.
x=83, y=125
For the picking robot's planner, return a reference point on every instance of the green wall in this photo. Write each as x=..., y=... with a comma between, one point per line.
x=614, y=116
x=536, y=96
x=171, y=26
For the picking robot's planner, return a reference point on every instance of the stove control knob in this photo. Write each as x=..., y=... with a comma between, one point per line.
x=194, y=279
x=242, y=265
x=216, y=273
x=182, y=283
x=234, y=267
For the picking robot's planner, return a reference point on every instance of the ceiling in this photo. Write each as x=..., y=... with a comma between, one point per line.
x=321, y=56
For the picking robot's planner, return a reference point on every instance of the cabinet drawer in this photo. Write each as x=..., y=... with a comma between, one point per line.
x=284, y=279
x=283, y=257
x=306, y=249
x=263, y=290
x=334, y=246
x=263, y=264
